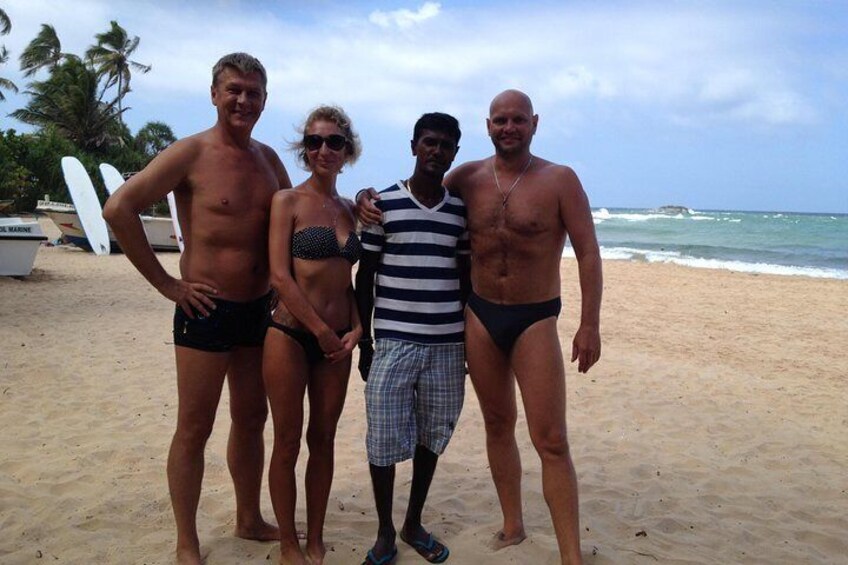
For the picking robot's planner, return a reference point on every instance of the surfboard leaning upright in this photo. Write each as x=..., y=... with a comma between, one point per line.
x=113, y=180
x=87, y=205
x=178, y=231
x=111, y=177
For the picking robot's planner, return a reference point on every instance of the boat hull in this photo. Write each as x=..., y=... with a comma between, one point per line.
x=160, y=231
x=19, y=243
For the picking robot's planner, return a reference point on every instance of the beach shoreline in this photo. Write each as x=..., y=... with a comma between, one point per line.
x=780, y=243
x=714, y=424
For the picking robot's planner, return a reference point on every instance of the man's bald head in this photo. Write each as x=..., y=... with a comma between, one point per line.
x=511, y=123
x=511, y=97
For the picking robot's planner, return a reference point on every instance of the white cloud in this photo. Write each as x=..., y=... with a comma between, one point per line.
x=405, y=18
x=746, y=95
x=578, y=80
x=693, y=67
x=597, y=72
x=776, y=108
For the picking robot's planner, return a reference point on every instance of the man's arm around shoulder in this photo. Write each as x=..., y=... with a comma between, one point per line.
x=457, y=180
x=367, y=210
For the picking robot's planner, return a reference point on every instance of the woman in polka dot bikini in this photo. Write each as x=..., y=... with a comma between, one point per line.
x=314, y=325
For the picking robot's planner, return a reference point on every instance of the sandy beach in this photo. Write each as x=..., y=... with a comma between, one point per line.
x=713, y=430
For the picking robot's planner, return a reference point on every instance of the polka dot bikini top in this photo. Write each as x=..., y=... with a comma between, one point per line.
x=319, y=242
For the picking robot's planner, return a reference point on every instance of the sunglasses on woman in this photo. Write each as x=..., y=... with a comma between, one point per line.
x=313, y=142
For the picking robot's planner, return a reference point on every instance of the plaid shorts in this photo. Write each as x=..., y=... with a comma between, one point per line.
x=413, y=396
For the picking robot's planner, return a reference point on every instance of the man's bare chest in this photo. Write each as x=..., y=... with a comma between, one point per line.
x=489, y=215
x=232, y=192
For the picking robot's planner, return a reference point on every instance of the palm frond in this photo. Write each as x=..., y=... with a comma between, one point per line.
x=68, y=102
x=45, y=51
x=5, y=22
x=111, y=57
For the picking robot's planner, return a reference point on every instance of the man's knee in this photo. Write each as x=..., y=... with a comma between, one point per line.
x=193, y=433
x=249, y=416
x=250, y=421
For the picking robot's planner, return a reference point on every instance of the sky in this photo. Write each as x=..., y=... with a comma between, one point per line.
x=738, y=105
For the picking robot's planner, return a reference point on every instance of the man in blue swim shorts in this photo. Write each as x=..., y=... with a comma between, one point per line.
x=416, y=370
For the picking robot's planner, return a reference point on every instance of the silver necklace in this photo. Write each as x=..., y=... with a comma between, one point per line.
x=505, y=196
x=334, y=209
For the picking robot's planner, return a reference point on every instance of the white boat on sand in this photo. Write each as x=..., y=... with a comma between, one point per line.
x=20, y=239
x=82, y=223
x=159, y=230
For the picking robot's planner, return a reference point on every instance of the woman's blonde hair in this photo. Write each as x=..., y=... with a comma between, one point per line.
x=334, y=114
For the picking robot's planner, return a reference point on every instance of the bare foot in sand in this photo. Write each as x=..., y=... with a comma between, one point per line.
x=188, y=556
x=315, y=553
x=259, y=531
x=500, y=540
x=265, y=532
x=292, y=556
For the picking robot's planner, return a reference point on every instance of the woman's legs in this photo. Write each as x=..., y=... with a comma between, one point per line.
x=327, y=389
x=286, y=373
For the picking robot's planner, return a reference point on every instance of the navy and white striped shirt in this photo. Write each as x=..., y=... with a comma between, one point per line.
x=418, y=296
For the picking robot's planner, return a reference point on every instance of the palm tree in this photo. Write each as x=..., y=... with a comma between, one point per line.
x=111, y=55
x=45, y=51
x=5, y=84
x=69, y=103
x=154, y=137
x=5, y=22
x=5, y=27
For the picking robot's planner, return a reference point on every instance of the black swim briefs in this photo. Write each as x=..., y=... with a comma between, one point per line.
x=506, y=322
x=307, y=341
x=231, y=324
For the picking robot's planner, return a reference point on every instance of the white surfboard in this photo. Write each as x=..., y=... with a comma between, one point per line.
x=172, y=204
x=87, y=205
x=113, y=180
x=111, y=177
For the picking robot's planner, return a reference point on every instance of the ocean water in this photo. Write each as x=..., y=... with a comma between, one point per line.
x=780, y=243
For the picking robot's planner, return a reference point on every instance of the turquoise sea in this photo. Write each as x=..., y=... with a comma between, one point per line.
x=781, y=243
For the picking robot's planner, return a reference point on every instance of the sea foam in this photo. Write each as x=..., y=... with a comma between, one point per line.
x=674, y=257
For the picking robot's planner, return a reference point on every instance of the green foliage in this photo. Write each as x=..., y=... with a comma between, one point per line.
x=30, y=165
x=32, y=169
x=111, y=56
x=73, y=118
x=5, y=27
x=68, y=101
x=43, y=52
x=5, y=22
x=5, y=84
x=154, y=137
x=15, y=179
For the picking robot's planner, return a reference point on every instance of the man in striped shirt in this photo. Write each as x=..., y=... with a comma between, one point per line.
x=416, y=376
